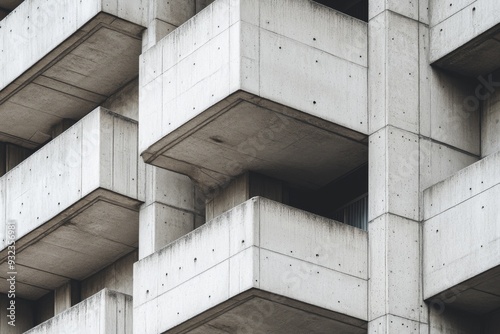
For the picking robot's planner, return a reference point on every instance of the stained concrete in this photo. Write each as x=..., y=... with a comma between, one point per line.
x=74, y=63
x=105, y=312
x=75, y=204
x=262, y=245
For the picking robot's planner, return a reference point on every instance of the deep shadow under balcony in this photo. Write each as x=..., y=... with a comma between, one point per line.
x=61, y=59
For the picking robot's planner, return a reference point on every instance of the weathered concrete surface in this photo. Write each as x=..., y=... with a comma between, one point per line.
x=461, y=32
x=74, y=203
x=106, y=312
x=173, y=207
x=11, y=155
x=490, y=124
x=262, y=245
x=118, y=277
x=462, y=225
x=24, y=315
x=241, y=58
x=61, y=60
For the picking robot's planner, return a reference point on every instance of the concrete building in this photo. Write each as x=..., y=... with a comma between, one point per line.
x=250, y=166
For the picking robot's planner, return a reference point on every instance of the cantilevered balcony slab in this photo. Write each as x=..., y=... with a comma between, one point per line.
x=105, y=312
x=263, y=267
x=244, y=86
x=462, y=239
x=61, y=59
x=465, y=36
x=74, y=204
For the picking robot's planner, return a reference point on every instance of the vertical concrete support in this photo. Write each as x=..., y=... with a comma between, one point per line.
x=12, y=155
x=62, y=126
x=241, y=189
x=165, y=16
x=395, y=280
x=173, y=207
x=490, y=126
x=66, y=296
x=23, y=315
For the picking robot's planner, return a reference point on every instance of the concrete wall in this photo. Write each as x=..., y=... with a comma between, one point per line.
x=449, y=321
x=11, y=155
x=107, y=312
x=38, y=27
x=174, y=206
x=241, y=189
x=454, y=23
x=125, y=102
x=117, y=277
x=259, y=244
x=490, y=124
x=230, y=46
x=492, y=323
x=24, y=314
x=98, y=151
x=462, y=225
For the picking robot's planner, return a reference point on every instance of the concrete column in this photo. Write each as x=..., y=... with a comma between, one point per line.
x=241, y=189
x=62, y=126
x=173, y=207
x=395, y=276
x=12, y=155
x=164, y=17
x=66, y=296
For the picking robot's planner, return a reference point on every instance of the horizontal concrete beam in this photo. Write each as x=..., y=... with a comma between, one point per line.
x=464, y=206
x=261, y=245
x=105, y=312
x=74, y=203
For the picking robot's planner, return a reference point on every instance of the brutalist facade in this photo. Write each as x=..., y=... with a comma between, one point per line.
x=250, y=166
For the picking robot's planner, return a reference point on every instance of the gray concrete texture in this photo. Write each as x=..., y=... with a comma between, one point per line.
x=74, y=203
x=250, y=46
x=249, y=248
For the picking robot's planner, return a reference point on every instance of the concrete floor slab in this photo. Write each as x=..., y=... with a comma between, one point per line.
x=73, y=64
x=241, y=82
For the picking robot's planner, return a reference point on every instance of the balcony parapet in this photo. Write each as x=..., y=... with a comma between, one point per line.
x=259, y=254
x=105, y=312
x=465, y=37
x=462, y=225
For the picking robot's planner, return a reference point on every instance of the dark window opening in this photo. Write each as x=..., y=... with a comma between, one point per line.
x=355, y=8
x=344, y=199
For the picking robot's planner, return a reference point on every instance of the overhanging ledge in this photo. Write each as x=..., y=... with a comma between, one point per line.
x=74, y=55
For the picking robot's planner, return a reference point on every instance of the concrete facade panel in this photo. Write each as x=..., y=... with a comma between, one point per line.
x=243, y=248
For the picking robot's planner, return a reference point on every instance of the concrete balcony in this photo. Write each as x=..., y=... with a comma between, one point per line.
x=103, y=313
x=74, y=204
x=465, y=36
x=462, y=239
x=242, y=86
x=62, y=59
x=263, y=267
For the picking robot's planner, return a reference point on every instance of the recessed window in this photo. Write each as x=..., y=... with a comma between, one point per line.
x=355, y=8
